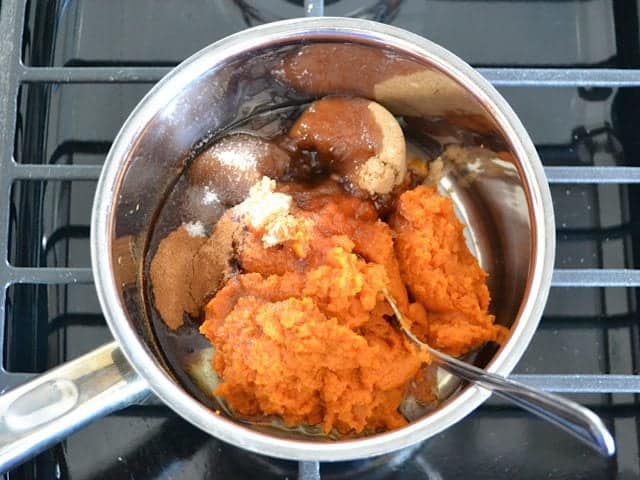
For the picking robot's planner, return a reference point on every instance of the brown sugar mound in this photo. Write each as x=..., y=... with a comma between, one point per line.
x=441, y=273
x=306, y=338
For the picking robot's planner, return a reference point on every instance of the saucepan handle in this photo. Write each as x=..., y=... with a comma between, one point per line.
x=47, y=409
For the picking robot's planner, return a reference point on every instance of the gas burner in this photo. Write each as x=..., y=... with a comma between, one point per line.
x=257, y=12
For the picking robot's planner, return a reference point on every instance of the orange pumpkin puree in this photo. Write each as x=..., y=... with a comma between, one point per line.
x=302, y=332
x=442, y=274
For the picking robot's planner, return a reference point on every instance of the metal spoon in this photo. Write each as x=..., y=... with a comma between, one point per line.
x=573, y=418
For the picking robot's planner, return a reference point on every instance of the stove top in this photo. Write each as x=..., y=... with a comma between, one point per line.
x=73, y=70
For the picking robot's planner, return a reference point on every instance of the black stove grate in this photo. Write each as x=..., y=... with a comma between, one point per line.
x=35, y=188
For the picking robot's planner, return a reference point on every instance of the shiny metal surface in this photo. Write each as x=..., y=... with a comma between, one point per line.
x=562, y=77
x=508, y=211
x=511, y=77
x=503, y=77
x=42, y=412
x=571, y=417
x=593, y=174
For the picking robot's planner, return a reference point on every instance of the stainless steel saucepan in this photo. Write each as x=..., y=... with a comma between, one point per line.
x=505, y=204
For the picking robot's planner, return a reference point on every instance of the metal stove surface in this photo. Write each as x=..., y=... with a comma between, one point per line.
x=569, y=68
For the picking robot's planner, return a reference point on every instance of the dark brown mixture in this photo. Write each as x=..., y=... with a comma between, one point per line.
x=318, y=69
x=401, y=85
x=341, y=130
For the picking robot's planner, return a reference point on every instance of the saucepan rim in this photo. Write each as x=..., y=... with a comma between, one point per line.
x=340, y=29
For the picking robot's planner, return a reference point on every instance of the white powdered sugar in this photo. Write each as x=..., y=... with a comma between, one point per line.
x=209, y=197
x=195, y=229
x=240, y=151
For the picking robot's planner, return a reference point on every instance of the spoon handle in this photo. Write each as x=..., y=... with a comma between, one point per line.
x=573, y=418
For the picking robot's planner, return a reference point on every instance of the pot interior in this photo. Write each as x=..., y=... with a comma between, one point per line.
x=488, y=190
